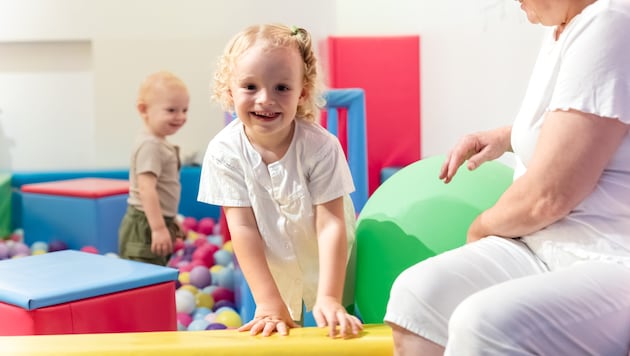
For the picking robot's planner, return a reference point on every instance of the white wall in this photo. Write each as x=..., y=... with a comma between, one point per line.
x=476, y=56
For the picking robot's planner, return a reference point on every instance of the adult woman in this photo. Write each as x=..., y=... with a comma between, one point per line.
x=546, y=270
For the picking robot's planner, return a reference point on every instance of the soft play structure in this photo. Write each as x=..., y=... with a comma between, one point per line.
x=387, y=68
x=413, y=216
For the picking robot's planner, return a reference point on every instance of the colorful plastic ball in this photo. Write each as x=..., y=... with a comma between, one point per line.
x=37, y=252
x=205, y=254
x=189, y=287
x=200, y=277
x=184, y=319
x=4, y=251
x=189, y=223
x=223, y=258
x=227, y=245
x=205, y=226
x=184, y=277
x=178, y=245
x=216, y=326
x=198, y=325
x=223, y=304
x=112, y=255
x=216, y=240
x=229, y=318
x=90, y=249
x=57, y=245
x=222, y=293
x=225, y=278
x=204, y=300
x=184, y=301
x=200, y=313
x=211, y=317
x=19, y=249
x=39, y=245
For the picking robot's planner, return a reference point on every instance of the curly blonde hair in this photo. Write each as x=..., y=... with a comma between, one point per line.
x=273, y=36
x=159, y=79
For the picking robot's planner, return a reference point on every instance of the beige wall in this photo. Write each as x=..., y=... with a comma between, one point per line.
x=67, y=102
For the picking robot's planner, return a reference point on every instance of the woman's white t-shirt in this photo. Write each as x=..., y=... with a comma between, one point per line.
x=586, y=69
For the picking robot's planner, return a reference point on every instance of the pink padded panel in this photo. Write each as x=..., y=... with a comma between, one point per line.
x=80, y=187
x=388, y=69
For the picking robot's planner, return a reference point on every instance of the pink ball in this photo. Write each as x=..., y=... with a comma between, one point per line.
x=184, y=318
x=90, y=249
x=222, y=293
x=4, y=251
x=206, y=226
x=189, y=223
x=178, y=245
x=205, y=253
x=19, y=249
x=200, y=277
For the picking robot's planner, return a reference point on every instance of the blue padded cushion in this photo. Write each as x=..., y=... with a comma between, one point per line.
x=64, y=276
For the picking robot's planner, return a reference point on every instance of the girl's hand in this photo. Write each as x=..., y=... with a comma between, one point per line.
x=329, y=312
x=266, y=321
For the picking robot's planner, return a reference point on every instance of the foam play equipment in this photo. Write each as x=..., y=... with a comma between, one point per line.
x=188, y=204
x=345, y=118
x=5, y=205
x=413, y=216
x=73, y=292
x=387, y=68
x=80, y=212
x=374, y=340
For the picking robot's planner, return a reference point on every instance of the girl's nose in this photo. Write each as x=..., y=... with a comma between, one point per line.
x=264, y=97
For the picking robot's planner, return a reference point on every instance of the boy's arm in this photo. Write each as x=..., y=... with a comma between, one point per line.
x=333, y=255
x=271, y=312
x=161, y=243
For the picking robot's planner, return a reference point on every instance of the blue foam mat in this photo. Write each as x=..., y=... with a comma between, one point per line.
x=59, y=277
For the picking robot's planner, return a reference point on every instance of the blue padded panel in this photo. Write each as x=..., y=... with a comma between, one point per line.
x=60, y=277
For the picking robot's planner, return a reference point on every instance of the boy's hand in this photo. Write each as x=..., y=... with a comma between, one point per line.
x=161, y=243
x=329, y=312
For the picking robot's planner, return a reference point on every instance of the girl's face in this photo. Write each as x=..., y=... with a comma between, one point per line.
x=266, y=88
x=166, y=111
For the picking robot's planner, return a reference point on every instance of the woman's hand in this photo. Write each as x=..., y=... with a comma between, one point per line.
x=476, y=148
x=269, y=319
x=328, y=312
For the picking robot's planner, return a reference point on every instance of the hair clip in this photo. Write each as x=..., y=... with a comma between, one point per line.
x=294, y=30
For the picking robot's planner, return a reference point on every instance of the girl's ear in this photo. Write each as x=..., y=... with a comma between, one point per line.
x=303, y=96
x=142, y=107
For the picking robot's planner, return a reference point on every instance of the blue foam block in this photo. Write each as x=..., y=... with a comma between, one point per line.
x=76, y=221
x=59, y=277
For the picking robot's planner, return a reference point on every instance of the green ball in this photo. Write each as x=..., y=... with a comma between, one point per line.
x=412, y=216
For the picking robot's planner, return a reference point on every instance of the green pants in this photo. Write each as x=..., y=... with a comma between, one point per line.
x=134, y=237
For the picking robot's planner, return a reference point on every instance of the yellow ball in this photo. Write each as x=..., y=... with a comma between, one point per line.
x=38, y=252
x=204, y=300
x=184, y=277
x=229, y=318
x=228, y=246
x=189, y=287
x=216, y=268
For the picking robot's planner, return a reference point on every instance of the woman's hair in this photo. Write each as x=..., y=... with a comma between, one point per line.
x=158, y=80
x=273, y=36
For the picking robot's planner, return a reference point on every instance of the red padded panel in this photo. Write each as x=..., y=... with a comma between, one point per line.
x=388, y=69
x=80, y=187
x=16, y=321
x=150, y=308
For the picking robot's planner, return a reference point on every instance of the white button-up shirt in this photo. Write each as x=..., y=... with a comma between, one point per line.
x=283, y=196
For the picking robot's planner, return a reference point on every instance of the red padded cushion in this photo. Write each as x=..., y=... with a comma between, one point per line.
x=81, y=187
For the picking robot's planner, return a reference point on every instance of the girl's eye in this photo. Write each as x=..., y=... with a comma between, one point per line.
x=250, y=87
x=282, y=88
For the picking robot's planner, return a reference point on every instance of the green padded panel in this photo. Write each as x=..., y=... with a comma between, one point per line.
x=413, y=215
x=5, y=205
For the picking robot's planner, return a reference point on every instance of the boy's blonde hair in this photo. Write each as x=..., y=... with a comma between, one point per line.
x=161, y=79
x=273, y=36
